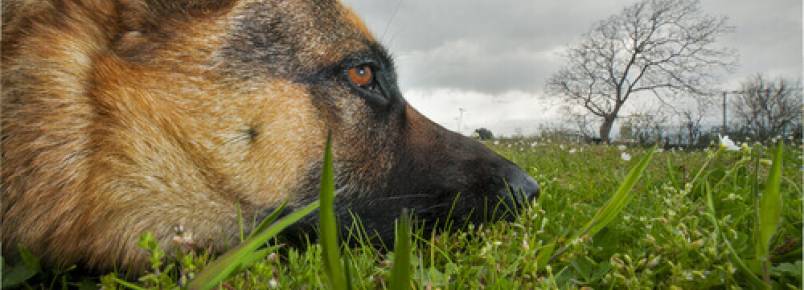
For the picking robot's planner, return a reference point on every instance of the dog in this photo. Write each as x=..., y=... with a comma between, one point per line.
x=121, y=117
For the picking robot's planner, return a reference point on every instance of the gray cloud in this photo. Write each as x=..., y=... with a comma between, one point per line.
x=487, y=49
x=486, y=46
x=767, y=36
x=496, y=46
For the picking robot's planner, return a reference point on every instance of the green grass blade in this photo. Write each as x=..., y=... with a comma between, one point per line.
x=239, y=257
x=400, y=272
x=267, y=221
x=671, y=173
x=741, y=264
x=28, y=267
x=617, y=202
x=127, y=284
x=258, y=255
x=603, y=216
x=330, y=250
x=347, y=270
x=545, y=255
x=770, y=212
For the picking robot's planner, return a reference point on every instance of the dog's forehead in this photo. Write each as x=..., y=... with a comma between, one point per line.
x=294, y=37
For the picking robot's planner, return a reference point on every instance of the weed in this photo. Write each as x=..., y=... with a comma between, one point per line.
x=695, y=219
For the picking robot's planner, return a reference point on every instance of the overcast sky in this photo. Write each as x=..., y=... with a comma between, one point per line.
x=492, y=57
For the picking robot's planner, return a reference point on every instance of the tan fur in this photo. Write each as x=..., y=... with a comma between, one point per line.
x=99, y=148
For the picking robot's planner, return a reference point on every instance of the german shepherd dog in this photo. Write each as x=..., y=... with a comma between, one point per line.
x=121, y=117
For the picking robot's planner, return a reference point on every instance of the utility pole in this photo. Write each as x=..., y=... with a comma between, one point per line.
x=725, y=107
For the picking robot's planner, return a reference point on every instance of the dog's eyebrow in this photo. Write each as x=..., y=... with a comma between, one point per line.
x=374, y=52
x=382, y=55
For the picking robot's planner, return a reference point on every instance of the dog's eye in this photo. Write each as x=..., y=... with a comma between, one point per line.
x=369, y=82
x=361, y=75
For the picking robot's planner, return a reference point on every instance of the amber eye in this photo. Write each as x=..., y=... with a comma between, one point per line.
x=361, y=75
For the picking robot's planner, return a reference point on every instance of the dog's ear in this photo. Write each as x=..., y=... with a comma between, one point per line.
x=145, y=14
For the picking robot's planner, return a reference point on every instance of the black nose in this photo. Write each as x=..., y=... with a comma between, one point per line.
x=521, y=187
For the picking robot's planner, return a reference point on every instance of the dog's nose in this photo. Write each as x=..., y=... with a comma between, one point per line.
x=521, y=186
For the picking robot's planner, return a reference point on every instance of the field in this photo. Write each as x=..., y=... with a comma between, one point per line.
x=664, y=237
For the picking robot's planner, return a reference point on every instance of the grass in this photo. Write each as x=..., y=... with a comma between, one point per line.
x=694, y=220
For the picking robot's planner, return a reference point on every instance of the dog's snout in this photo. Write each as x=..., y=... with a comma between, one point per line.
x=521, y=185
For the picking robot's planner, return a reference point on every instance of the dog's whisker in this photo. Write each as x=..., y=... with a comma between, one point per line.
x=408, y=196
x=439, y=205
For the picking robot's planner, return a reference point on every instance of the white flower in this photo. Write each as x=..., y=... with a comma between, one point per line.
x=654, y=262
x=533, y=144
x=688, y=275
x=625, y=156
x=727, y=144
x=572, y=151
x=496, y=142
x=776, y=139
x=621, y=147
x=561, y=146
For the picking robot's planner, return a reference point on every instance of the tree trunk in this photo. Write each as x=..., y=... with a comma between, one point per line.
x=605, y=129
x=689, y=140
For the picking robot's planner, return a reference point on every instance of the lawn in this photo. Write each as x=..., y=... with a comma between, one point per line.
x=665, y=237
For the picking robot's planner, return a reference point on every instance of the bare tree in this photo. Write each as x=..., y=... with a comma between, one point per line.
x=582, y=121
x=690, y=119
x=768, y=108
x=650, y=48
x=645, y=128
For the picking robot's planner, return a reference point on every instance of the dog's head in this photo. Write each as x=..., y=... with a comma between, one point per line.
x=280, y=75
x=204, y=103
